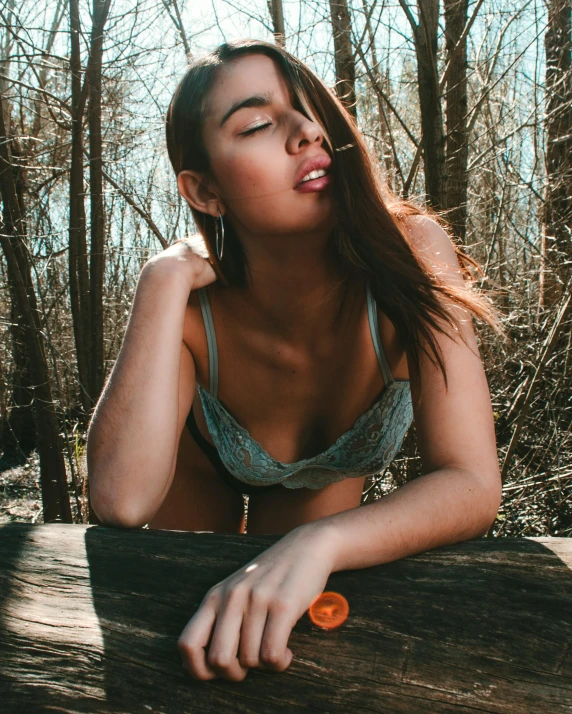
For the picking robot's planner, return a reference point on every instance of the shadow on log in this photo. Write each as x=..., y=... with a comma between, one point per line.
x=90, y=617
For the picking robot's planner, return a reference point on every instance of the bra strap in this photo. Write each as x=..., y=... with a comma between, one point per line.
x=211, y=340
x=374, y=328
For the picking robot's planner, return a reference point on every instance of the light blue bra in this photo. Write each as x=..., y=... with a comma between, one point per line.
x=366, y=449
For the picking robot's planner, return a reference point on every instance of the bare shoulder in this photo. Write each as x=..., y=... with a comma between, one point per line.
x=433, y=244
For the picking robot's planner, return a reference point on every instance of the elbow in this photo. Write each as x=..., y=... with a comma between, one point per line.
x=111, y=509
x=113, y=514
x=117, y=519
x=492, y=502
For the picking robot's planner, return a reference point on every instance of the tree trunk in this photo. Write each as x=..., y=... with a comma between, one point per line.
x=97, y=248
x=86, y=299
x=430, y=102
x=277, y=15
x=384, y=129
x=557, y=229
x=344, y=58
x=457, y=145
x=79, y=282
x=53, y=479
x=20, y=425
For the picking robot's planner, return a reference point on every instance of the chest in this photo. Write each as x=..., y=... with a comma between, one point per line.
x=297, y=402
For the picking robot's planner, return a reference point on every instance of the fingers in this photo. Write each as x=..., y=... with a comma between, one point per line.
x=274, y=650
x=222, y=654
x=192, y=642
x=248, y=633
x=253, y=624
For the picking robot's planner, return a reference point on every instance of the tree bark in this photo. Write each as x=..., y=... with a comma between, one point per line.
x=343, y=54
x=20, y=425
x=277, y=15
x=430, y=102
x=384, y=129
x=557, y=229
x=53, y=479
x=78, y=274
x=457, y=145
x=97, y=248
x=432, y=130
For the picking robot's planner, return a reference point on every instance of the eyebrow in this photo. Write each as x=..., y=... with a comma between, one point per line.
x=257, y=100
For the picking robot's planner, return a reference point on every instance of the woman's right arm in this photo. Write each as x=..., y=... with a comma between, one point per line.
x=134, y=432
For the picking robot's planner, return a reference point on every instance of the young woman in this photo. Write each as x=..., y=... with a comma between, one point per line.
x=288, y=361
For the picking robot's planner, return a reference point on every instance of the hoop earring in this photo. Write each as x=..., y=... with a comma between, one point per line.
x=219, y=250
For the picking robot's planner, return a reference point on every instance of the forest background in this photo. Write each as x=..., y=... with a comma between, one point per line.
x=466, y=106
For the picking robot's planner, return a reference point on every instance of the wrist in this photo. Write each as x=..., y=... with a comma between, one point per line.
x=323, y=539
x=169, y=270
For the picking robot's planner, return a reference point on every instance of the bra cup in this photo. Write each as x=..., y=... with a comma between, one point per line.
x=365, y=449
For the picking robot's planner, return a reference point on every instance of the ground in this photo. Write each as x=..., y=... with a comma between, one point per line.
x=20, y=496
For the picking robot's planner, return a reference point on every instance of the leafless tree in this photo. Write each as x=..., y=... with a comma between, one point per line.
x=557, y=234
x=277, y=14
x=343, y=54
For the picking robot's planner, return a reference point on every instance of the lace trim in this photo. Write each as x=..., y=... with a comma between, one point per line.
x=367, y=448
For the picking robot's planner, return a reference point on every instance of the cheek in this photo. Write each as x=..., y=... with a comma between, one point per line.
x=252, y=178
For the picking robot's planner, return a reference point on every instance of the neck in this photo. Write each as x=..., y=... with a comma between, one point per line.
x=297, y=288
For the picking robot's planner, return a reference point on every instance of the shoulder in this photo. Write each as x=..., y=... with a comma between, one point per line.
x=433, y=245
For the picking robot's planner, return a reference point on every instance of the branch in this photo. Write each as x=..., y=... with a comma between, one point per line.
x=409, y=15
x=548, y=345
x=459, y=44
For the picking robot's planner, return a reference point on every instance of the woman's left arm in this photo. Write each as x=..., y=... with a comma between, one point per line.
x=460, y=491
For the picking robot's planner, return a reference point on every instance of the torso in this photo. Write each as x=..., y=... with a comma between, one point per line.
x=294, y=402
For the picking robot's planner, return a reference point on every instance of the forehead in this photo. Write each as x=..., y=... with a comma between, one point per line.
x=241, y=78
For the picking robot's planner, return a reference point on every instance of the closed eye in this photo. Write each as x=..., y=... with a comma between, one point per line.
x=256, y=128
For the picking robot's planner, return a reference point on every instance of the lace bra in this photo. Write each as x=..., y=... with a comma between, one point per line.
x=365, y=449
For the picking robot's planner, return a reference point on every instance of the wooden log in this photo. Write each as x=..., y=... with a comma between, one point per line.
x=90, y=616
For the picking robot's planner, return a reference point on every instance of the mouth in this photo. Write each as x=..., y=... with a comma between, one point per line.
x=314, y=184
x=312, y=170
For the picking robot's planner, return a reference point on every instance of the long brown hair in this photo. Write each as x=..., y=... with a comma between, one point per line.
x=370, y=238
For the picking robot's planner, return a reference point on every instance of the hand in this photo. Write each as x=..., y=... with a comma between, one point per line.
x=254, y=610
x=189, y=255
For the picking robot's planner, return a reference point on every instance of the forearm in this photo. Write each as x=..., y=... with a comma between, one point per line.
x=440, y=508
x=132, y=435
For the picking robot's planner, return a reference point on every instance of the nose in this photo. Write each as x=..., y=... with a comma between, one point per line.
x=306, y=132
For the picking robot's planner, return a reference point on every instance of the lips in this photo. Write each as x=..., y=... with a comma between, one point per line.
x=314, y=164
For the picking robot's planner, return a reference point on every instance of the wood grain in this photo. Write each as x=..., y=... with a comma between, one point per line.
x=90, y=616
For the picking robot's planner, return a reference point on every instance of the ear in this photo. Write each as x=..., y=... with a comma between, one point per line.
x=193, y=186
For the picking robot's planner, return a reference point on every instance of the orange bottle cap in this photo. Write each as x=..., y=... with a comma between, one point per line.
x=329, y=610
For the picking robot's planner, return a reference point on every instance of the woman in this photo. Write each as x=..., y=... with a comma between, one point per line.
x=327, y=315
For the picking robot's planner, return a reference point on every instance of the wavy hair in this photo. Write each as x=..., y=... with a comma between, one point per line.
x=370, y=238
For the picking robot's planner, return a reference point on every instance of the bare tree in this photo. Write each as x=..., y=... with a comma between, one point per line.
x=425, y=31
x=277, y=14
x=13, y=238
x=557, y=234
x=457, y=144
x=343, y=55
x=97, y=251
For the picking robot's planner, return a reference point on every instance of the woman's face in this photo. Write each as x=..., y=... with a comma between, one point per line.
x=255, y=173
